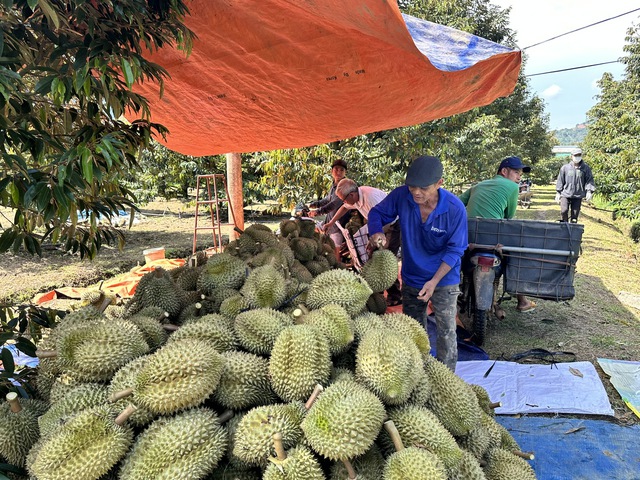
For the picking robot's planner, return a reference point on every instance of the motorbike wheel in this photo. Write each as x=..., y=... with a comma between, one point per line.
x=478, y=322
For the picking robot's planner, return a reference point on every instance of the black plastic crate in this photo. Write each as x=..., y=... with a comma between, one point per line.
x=548, y=271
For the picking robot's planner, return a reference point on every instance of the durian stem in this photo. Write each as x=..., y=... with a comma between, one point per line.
x=120, y=395
x=352, y=475
x=225, y=416
x=198, y=311
x=277, y=443
x=106, y=301
x=46, y=353
x=391, y=429
x=494, y=405
x=525, y=455
x=169, y=327
x=14, y=403
x=163, y=317
x=314, y=396
x=125, y=414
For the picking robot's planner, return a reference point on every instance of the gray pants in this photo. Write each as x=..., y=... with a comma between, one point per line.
x=444, y=302
x=572, y=205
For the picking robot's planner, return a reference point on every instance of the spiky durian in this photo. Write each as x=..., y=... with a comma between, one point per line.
x=484, y=401
x=452, y=400
x=125, y=379
x=468, y=469
x=244, y=382
x=275, y=256
x=365, y=322
x=339, y=286
x=299, y=464
x=152, y=331
x=333, y=321
x=265, y=287
x=85, y=448
x=179, y=375
x=414, y=463
x=222, y=271
x=503, y=465
x=304, y=249
x=344, y=421
x=381, y=270
x=157, y=289
x=289, y=228
x=376, y=303
x=213, y=328
x=93, y=351
x=254, y=434
x=62, y=385
x=419, y=427
x=258, y=329
x=19, y=429
x=388, y=364
x=77, y=399
x=411, y=328
x=300, y=359
x=307, y=227
x=299, y=271
x=184, y=447
x=234, y=305
x=227, y=471
x=422, y=392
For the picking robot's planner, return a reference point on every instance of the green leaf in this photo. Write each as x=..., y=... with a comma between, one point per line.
x=128, y=72
x=7, y=361
x=49, y=12
x=87, y=165
x=26, y=346
x=32, y=4
x=5, y=336
x=7, y=238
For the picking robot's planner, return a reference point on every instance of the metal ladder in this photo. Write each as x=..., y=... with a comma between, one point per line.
x=204, y=185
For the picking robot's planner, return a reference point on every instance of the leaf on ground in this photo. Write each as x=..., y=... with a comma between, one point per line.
x=574, y=430
x=576, y=372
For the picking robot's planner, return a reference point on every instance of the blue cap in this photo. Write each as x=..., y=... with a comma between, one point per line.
x=424, y=171
x=515, y=163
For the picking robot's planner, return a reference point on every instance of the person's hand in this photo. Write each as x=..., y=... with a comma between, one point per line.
x=426, y=292
x=558, y=197
x=377, y=240
x=589, y=195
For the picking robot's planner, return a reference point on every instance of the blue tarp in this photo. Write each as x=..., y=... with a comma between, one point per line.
x=576, y=448
x=466, y=350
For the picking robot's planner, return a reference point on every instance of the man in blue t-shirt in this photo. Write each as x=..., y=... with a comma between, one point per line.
x=433, y=225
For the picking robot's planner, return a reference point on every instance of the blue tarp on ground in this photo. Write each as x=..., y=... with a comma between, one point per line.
x=576, y=448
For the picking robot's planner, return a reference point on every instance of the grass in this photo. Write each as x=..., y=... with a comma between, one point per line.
x=598, y=322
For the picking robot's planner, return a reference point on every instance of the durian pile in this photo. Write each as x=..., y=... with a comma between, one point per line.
x=267, y=361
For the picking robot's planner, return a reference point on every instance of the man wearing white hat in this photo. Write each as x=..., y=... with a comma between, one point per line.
x=575, y=182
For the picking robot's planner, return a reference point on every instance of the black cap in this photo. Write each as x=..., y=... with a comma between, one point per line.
x=515, y=163
x=424, y=171
x=339, y=163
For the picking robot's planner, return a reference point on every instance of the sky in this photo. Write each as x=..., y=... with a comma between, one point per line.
x=569, y=95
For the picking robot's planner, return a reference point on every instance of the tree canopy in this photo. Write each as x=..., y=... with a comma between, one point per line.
x=612, y=144
x=66, y=72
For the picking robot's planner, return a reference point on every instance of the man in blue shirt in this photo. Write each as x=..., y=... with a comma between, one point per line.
x=433, y=225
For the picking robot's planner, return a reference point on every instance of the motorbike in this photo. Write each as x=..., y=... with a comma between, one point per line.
x=480, y=276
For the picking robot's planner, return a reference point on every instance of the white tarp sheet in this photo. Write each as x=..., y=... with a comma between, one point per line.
x=625, y=376
x=536, y=388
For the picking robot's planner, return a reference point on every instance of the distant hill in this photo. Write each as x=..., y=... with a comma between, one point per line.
x=571, y=136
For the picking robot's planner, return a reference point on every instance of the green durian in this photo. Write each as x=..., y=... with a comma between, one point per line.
x=333, y=321
x=265, y=287
x=19, y=429
x=339, y=286
x=299, y=464
x=258, y=329
x=222, y=271
x=215, y=329
x=125, y=379
x=503, y=465
x=414, y=463
x=381, y=270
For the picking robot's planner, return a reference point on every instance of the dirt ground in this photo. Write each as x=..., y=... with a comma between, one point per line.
x=599, y=322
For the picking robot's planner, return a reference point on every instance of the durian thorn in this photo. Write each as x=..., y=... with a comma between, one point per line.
x=120, y=395
x=352, y=475
x=225, y=416
x=46, y=353
x=493, y=405
x=14, y=403
x=525, y=455
x=391, y=429
x=125, y=414
x=279, y=447
x=170, y=327
x=314, y=396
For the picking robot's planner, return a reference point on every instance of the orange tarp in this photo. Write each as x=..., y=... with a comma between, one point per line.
x=268, y=74
x=122, y=285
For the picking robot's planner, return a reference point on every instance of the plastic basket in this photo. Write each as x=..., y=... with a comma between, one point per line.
x=542, y=259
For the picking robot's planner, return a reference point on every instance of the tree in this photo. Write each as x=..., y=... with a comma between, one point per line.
x=613, y=139
x=65, y=80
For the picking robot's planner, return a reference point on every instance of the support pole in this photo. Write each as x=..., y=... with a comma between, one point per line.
x=234, y=185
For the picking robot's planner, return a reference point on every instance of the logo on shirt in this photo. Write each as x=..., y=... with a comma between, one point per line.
x=438, y=230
